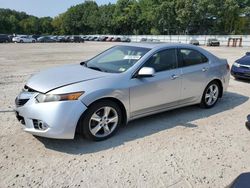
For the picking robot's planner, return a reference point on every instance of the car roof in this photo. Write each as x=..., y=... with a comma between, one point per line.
x=154, y=45
x=161, y=45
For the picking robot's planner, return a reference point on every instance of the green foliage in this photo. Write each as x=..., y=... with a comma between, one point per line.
x=137, y=17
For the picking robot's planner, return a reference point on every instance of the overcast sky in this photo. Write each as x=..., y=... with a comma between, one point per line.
x=42, y=8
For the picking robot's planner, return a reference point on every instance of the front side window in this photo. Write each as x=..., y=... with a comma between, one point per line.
x=117, y=59
x=191, y=57
x=163, y=60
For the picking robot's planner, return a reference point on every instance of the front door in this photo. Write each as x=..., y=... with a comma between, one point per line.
x=151, y=94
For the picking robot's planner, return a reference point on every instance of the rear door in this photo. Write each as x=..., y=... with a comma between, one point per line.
x=195, y=73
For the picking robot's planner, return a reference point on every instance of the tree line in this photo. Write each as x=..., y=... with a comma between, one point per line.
x=128, y=17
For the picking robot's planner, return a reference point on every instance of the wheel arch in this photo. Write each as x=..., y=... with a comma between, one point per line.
x=220, y=85
x=115, y=100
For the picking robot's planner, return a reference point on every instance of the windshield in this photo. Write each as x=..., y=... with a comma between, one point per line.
x=117, y=59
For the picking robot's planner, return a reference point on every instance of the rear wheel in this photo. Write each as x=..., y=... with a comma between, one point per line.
x=101, y=120
x=21, y=41
x=210, y=95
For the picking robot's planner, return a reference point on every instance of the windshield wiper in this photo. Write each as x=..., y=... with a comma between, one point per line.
x=95, y=68
x=84, y=63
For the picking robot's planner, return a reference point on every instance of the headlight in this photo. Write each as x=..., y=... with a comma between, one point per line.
x=236, y=64
x=58, y=97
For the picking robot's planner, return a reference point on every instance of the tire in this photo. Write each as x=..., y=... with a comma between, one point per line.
x=33, y=41
x=95, y=125
x=21, y=41
x=210, y=95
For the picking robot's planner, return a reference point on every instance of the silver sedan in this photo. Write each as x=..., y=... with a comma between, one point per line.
x=122, y=83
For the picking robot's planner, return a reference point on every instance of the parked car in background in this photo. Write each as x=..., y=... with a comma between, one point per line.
x=154, y=40
x=11, y=37
x=143, y=40
x=96, y=97
x=86, y=38
x=35, y=36
x=76, y=39
x=61, y=39
x=248, y=122
x=116, y=39
x=149, y=40
x=109, y=39
x=241, y=67
x=23, y=39
x=194, y=42
x=125, y=39
x=93, y=38
x=55, y=38
x=89, y=38
x=213, y=42
x=67, y=38
x=4, y=38
x=45, y=39
x=102, y=38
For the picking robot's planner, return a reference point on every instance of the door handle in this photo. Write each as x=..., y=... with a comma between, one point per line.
x=173, y=77
x=204, y=69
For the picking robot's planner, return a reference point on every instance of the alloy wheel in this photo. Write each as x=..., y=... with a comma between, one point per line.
x=103, y=121
x=212, y=94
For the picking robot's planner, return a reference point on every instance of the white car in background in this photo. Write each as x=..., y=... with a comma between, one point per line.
x=23, y=39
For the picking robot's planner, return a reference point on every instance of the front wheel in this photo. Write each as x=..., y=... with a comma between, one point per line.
x=210, y=95
x=101, y=120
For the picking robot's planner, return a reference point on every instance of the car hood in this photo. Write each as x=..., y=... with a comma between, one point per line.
x=54, y=78
x=244, y=60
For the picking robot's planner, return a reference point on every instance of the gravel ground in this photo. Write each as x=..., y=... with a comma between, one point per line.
x=187, y=147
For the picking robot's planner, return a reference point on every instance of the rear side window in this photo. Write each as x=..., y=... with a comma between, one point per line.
x=190, y=57
x=163, y=60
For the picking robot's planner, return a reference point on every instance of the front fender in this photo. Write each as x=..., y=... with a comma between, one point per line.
x=121, y=95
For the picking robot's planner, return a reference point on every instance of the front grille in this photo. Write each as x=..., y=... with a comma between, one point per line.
x=20, y=102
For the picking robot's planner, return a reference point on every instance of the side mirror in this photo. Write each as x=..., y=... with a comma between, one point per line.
x=83, y=63
x=146, y=72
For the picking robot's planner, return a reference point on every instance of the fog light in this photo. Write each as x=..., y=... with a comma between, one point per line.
x=42, y=125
